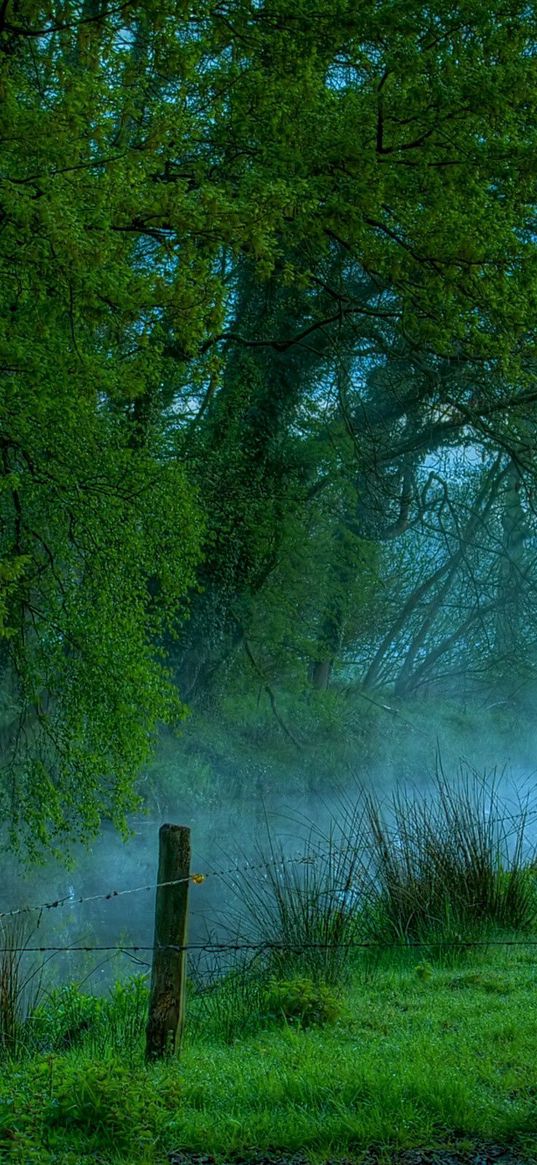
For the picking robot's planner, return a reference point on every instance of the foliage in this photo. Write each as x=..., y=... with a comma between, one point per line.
x=70, y=1018
x=100, y=1102
x=64, y=1020
x=209, y=319
x=100, y=530
x=301, y=1001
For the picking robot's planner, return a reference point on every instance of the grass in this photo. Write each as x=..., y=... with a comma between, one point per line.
x=414, y=1060
x=452, y=859
x=446, y=865
x=313, y=1045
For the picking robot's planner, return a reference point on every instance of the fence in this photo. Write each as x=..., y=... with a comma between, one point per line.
x=171, y=946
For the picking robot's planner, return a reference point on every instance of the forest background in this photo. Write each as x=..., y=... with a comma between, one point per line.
x=268, y=404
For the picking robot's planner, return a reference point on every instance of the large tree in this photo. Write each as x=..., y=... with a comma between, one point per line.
x=368, y=172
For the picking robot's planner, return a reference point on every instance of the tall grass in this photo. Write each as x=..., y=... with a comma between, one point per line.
x=224, y=1003
x=70, y=1018
x=443, y=867
x=296, y=911
x=21, y=983
x=452, y=863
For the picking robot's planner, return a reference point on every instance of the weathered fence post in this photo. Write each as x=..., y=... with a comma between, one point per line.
x=167, y=996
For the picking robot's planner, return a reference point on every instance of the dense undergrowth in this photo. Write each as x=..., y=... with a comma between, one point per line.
x=402, y=941
x=235, y=749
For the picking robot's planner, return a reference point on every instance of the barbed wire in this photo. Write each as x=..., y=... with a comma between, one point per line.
x=196, y=879
x=235, y=947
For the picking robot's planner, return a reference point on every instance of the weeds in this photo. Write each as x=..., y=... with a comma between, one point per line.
x=123, y=1018
x=99, y=1102
x=21, y=983
x=73, y=1019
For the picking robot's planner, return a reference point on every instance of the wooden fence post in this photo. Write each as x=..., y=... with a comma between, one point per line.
x=167, y=996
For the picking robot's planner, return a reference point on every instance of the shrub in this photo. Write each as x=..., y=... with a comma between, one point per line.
x=301, y=1001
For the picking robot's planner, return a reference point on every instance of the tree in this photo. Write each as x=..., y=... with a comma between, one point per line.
x=100, y=529
x=197, y=209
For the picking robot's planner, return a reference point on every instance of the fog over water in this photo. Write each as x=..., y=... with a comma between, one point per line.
x=227, y=833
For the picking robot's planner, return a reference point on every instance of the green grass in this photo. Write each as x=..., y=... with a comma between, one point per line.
x=448, y=1057
x=315, y=1048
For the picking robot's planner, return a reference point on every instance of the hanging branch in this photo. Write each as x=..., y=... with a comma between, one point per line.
x=267, y=688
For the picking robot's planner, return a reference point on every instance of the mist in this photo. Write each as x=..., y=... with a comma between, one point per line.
x=240, y=828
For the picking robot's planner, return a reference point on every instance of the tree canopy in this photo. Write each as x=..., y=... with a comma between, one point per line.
x=268, y=271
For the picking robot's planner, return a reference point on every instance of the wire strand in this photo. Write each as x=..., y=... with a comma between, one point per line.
x=196, y=879
x=215, y=948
